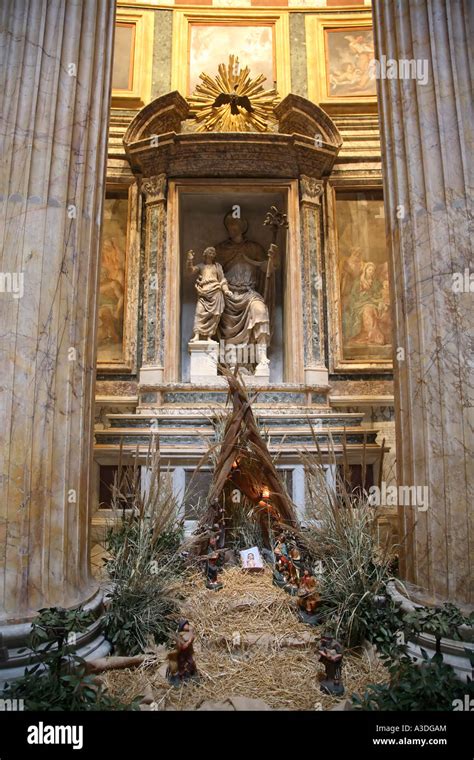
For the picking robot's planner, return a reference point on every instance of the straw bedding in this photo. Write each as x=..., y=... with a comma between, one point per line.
x=249, y=643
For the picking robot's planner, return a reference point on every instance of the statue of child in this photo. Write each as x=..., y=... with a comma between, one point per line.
x=211, y=285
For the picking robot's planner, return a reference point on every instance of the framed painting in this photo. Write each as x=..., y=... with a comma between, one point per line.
x=348, y=58
x=118, y=283
x=124, y=55
x=211, y=44
x=112, y=280
x=202, y=39
x=132, y=62
x=339, y=61
x=361, y=319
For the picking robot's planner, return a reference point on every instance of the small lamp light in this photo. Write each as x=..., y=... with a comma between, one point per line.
x=264, y=495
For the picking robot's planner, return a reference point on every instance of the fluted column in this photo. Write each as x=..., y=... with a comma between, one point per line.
x=427, y=144
x=55, y=95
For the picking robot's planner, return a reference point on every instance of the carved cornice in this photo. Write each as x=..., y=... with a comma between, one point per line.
x=154, y=188
x=227, y=154
x=311, y=189
x=307, y=142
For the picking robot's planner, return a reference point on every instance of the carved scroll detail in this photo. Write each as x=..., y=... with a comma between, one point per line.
x=311, y=189
x=154, y=188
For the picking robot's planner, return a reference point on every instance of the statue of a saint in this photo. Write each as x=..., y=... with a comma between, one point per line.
x=248, y=270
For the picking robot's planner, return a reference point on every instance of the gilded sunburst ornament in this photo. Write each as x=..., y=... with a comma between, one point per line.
x=232, y=101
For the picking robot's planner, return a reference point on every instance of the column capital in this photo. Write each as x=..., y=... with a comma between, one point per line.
x=311, y=189
x=154, y=188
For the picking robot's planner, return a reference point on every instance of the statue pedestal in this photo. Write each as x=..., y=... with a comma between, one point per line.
x=262, y=373
x=203, y=366
x=204, y=358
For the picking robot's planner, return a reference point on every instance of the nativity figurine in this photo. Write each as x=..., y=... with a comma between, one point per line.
x=212, y=565
x=280, y=548
x=280, y=554
x=295, y=556
x=293, y=577
x=285, y=575
x=331, y=654
x=308, y=599
x=181, y=664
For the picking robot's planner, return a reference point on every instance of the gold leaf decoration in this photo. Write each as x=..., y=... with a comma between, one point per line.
x=232, y=101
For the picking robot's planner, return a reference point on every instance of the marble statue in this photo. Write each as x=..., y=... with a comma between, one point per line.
x=236, y=294
x=211, y=285
x=245, y=319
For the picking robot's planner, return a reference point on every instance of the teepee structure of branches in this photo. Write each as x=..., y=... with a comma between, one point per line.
x=245, y=461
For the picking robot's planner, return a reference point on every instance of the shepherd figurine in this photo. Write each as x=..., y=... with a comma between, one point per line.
x=181, y=664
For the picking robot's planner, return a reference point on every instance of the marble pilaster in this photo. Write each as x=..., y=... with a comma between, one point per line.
x=311, y=190
x=426, y=130
x=154, y=189
x=55, y=94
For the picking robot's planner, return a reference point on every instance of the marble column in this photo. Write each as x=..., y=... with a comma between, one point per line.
x=311, y=190
x=152, y=369
x=426, y=129
x=55, y=96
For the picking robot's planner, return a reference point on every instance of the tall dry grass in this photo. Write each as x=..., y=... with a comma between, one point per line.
x=144, y=541
x=342, y=538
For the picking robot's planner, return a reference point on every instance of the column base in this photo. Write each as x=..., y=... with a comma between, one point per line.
x=316, y=376
x=456, y=653
x=151, y=375
x=91, y=644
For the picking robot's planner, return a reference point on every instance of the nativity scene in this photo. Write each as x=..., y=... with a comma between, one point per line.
x=235, y=304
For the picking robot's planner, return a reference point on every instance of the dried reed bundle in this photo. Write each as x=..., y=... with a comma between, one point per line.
x=143, y=542
x=341, y=535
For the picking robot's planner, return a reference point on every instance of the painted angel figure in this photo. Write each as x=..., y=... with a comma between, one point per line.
x=211, y=286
